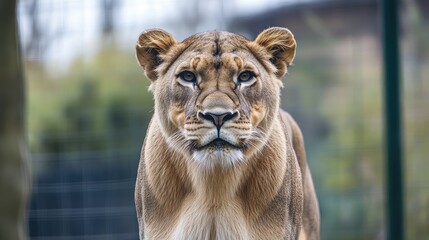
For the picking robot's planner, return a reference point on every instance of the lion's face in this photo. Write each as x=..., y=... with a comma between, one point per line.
x=216, y=93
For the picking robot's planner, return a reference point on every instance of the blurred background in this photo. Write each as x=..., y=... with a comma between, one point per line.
x=88, y=106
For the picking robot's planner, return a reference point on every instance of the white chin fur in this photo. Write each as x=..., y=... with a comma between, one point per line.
x=225, y=159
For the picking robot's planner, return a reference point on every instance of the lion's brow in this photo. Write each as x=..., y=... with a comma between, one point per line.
x=176, y=56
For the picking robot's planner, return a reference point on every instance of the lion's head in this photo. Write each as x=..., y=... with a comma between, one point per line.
x=216, y=93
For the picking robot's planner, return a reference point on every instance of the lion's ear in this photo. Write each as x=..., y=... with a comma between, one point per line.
x=280, y=43
x=150, y=47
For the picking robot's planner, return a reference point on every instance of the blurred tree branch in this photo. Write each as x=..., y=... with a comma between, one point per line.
x=108, y=16
x=14, y=178
x=32, y=45
x=42, y=31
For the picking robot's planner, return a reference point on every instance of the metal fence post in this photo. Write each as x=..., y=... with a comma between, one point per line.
x=392, y=97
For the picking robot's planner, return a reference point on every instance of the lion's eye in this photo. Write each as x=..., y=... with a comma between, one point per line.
x=245, y=76
x=188, y=76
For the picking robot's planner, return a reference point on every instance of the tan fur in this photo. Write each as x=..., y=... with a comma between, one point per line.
x=245, y=179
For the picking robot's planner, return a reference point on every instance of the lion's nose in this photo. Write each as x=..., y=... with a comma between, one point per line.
x=218, y=119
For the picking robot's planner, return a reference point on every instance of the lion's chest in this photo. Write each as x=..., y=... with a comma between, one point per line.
x=199, y=220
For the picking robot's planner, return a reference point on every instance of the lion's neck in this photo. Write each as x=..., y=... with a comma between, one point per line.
x=217, y=185
x=212, y=210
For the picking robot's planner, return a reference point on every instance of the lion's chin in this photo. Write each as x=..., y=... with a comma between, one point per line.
x=224, y=156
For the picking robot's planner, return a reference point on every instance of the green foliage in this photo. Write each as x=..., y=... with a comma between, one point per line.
x=96, y=104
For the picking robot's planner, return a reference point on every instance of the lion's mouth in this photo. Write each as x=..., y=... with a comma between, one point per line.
x=218, y=144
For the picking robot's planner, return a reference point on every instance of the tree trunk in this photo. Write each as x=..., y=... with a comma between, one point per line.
x=14, y=178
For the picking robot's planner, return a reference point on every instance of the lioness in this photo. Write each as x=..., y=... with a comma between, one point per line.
x=220, y=159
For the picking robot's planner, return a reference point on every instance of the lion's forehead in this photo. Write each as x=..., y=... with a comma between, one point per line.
x=213, y=51
x=227, y=41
